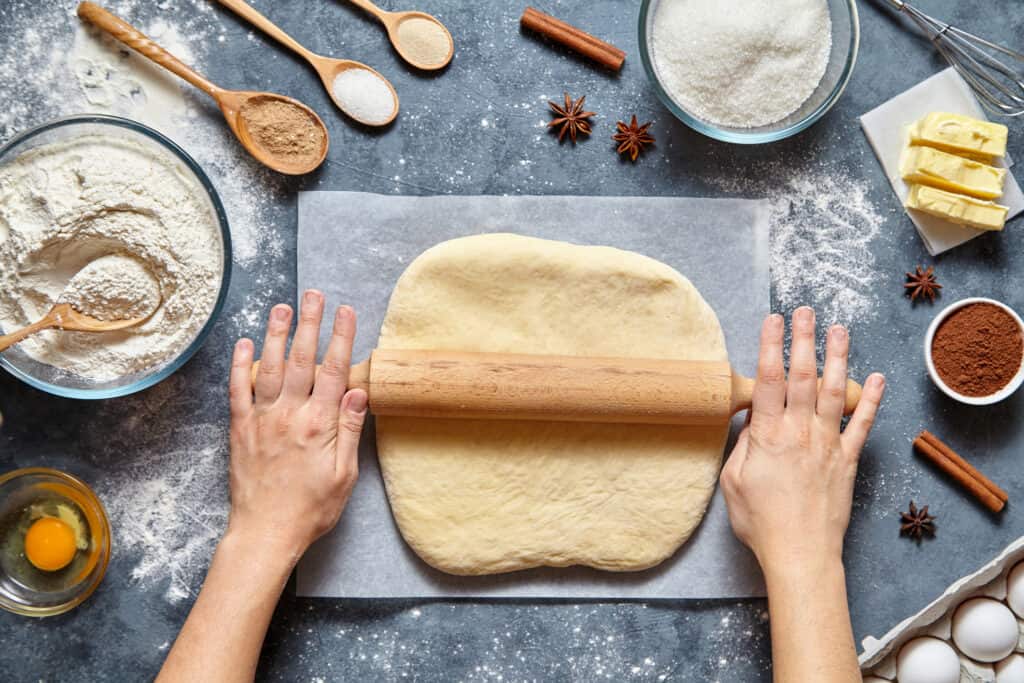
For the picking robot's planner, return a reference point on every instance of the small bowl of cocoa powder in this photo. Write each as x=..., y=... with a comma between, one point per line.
x=974, y=350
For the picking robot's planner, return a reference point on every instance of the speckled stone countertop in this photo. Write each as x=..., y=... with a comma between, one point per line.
x=841, y=243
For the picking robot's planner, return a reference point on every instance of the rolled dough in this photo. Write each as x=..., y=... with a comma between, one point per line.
x=484, y=497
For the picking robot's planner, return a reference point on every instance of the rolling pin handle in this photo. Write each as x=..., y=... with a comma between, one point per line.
x=743, y=394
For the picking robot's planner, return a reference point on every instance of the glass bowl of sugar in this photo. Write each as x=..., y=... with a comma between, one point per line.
x=91, y=190
x=749, y=72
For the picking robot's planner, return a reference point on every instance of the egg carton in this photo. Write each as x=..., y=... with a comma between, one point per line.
x=879, y=654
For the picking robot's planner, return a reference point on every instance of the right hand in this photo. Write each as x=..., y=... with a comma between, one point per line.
x=789, y=481
x=294, y=444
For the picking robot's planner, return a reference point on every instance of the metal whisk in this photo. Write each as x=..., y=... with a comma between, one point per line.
x=999, y=86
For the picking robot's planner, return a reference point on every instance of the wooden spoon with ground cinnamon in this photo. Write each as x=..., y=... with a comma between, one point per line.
x=281, y=133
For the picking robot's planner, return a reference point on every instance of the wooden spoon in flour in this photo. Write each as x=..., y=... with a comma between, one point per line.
x=239, y=107
x=66, y=318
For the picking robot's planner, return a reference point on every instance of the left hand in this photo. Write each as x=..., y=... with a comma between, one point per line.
x=294, y=444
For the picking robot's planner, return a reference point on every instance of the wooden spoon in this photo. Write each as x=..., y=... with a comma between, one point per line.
x=70, y=320
x=392, y=20
x=231, y=102
x=327, y=68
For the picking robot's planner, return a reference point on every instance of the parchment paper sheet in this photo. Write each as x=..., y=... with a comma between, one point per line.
x=354, y=246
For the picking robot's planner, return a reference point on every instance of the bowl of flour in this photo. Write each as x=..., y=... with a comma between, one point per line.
x=749, y=71
x=114, y=218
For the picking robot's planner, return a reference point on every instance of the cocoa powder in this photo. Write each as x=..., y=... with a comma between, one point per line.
x=978, y=349
x=284, y=130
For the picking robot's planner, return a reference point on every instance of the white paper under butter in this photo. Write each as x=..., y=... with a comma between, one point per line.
x=885, y=128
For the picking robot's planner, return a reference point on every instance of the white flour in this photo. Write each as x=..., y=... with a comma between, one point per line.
x=742, y=64
x=65, y=204
x=823, y=224
x=114, y=287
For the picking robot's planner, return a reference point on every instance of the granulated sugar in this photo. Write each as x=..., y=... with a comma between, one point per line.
x=746, y=64
x=364, y=95
x=823, y=224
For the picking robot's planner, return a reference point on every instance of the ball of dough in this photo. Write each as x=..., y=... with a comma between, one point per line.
x=927, y=660
x=985, y=629
x=1010, y=670
x=483, y=497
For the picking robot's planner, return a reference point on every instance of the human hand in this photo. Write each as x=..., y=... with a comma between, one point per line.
x=294, y=444
x=789, y=481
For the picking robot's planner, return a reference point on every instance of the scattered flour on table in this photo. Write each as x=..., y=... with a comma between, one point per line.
x=168, y=504
x=823, y=223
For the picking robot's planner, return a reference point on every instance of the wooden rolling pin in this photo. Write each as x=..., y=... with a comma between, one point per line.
x=506, y=386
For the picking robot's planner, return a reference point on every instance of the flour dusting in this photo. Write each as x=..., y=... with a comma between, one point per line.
x=823, y=224
x=169, y=508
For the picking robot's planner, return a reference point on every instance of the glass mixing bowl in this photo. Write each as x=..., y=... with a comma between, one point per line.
x=845, y=41
x=60, y=382
x=66, y=588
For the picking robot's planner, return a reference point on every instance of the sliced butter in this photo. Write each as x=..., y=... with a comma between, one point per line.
x=960, y=134
x=928, y=166
x=957, y=208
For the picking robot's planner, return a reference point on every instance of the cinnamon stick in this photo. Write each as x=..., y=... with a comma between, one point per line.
x=965, y=474
x=603, y=53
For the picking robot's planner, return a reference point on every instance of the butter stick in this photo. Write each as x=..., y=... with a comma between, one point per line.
x=957, y=208
x=928, y=166
x=960, y=134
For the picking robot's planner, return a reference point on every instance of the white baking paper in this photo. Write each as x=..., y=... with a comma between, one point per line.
x=885, y=127
x=354, y=246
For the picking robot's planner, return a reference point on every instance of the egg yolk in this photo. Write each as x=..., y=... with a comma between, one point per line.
x=50, y=544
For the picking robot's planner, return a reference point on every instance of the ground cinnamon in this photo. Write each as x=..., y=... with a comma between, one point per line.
x=283, y=130
x=978, y=349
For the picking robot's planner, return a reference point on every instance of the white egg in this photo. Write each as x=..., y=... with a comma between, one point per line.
x=985, y=629
x=1010, y=670
x=1015, y=589
x=927, y=660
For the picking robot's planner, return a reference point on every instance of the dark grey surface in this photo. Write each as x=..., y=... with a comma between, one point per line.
x=121, y=632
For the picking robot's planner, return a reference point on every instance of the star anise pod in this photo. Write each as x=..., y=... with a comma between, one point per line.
x=921, y=284
x=633, y=138
x=571, y=118
x=917, y=523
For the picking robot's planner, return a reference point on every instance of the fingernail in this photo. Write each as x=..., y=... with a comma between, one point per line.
x=355, y=401
x=775, y=320
x=281, y=313
x=243, y=345
x=803, y=314
x=311, y=296
x=877, y=381
x=839, y=333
